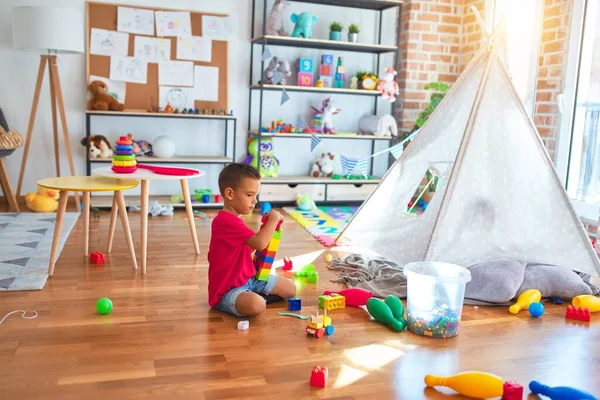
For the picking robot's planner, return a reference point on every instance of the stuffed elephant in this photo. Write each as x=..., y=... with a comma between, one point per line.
x=280, y=65
x=304, y=23
x=384, y=125
x=275, y=19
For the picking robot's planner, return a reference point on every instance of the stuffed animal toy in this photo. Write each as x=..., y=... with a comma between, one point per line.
x=280, y=65
x=384, y=125
x=44, y=201
x=387, y=86
x=327, y=111
x=304, y=23
x=305, y=203
x=323, y=166
x=275, y=19
x=101, y=100
x=269, y=164
x=141, y=148
x=98, y=146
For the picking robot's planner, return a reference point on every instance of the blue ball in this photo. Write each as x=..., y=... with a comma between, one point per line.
x=265, y=208
x=536, y=309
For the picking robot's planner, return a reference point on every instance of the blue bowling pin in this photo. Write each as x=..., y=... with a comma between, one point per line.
x=559, y=393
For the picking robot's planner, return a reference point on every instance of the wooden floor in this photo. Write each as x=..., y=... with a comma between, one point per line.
x=162, y=340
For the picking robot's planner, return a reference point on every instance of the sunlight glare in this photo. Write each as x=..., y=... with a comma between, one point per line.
x=372, y=356
x=300, y=260
x=348, y=375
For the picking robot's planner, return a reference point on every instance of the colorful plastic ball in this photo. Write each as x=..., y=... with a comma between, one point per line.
x=536, y=309
x=328, y=258
x=104, y=305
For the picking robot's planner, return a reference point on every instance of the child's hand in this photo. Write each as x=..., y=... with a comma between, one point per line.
x=275, y=215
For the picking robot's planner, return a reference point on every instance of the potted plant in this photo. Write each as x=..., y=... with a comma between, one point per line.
x=335, y=31
x=353, y=33
x=440, y=90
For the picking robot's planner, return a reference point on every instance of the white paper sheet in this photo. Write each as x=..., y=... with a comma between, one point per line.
x=216, y=28
x=176, y=73
x=152, y=50
x=115, y=89
x=206, y=83
x=196, y=48
x=173, y=23
x=135, y=20
x=128, y=69
x=177, y=97
x=108, y=43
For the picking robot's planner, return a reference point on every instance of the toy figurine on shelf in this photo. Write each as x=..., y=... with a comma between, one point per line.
x=388, y=87
x=328, y=109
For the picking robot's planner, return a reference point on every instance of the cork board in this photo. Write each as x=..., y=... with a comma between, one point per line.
x=143, y=96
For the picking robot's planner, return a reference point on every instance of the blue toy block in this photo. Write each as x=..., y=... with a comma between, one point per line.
x=327, y=59
x=260, y=256
x=265, y=208
x=305, y=65
x=294, y=304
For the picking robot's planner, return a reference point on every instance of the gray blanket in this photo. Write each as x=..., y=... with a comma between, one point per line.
x=493, y=282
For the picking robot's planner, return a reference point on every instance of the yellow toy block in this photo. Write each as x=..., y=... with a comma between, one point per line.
x=273, y=245
x=332, y=302
x=263, y=275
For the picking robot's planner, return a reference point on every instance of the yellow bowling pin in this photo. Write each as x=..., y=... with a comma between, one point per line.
x=479, y=385
x=524, y=300
x=587, y=301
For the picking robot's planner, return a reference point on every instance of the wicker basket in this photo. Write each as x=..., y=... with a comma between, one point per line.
x=10, y=140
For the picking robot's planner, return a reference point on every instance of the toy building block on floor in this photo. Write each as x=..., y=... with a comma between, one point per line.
x=319, y=325
x=97, y=257
x=318, y=376
x=579, y=314
x=263, y=260
x=332, y=302
x=294, y=304
x=309, y=272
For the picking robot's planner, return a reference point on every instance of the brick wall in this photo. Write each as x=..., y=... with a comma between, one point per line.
x=551, y=69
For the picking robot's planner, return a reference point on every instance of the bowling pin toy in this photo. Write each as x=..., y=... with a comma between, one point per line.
x=355, y=297
x=382, y=313
x=479, y=385
x=559, y=393
x=396, y=306
x=587, y=301
x=524, y=300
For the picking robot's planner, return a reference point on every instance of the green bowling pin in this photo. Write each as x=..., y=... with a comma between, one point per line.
x=396, y=306
x=382, y=313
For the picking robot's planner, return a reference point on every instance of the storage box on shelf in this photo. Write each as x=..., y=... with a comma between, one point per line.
x=328, y=190
x=102, y=202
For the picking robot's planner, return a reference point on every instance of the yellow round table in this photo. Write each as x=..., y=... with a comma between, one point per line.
x=88, y=184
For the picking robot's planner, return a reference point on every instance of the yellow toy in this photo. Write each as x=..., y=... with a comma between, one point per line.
x=328, y=258
x=44, y=201
x=332, y=302
x=318, y=325
x=587, y=301
x=524, y=300
x=479, y=385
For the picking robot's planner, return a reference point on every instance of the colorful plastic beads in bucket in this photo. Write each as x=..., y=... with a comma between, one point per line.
x=435, y=296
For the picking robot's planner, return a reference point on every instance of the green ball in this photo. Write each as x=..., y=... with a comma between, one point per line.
x=104, y=305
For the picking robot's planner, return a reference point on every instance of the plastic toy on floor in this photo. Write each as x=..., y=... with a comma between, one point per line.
x=559, y=393
x=263, y=259
x=44, y=201
x=355, y=297
x=155, y=209
x=390, y=312
x=305, y=203
x=524, y=300
x=479, y=385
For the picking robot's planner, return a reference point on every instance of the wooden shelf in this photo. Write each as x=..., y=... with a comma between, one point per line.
x=175, y=160
x=140, y=113
x=164, y=200
x=324, y=44
x=338, y=135
x=377, y=5
x=311, y=89
x=310, y=179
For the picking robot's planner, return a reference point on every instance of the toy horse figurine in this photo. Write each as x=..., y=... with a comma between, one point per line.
x=327, y=111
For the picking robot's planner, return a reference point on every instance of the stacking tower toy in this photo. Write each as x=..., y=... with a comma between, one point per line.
x=263, y=260
x=123, y=159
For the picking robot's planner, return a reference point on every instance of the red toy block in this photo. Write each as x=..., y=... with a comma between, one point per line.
x=579, y=314
x=287, y=264
x=512, y=391
x=96, y=257
x=318, y=376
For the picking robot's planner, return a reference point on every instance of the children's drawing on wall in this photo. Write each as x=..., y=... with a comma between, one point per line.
x=176, y=73
x=176, y=97
x=173, y=23
x=195, y=48
x=216, y=28
x=108, y=43
x=206, y=83
x=135, y=20
x=152, y=50
x=128, y=69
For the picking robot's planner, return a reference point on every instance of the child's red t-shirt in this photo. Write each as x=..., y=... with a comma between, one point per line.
x=229, y=257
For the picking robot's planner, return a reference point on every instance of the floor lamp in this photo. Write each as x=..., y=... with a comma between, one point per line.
x=49, y=31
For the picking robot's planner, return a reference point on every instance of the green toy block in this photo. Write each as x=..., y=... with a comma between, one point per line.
x=305, y=270
x=313, y=277
x=264, y=275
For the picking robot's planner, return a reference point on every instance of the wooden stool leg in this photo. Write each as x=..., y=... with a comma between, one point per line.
x=190, y=214
x=125, y=222
x=62, y=206
x=7, y=188
x=86, y=223
x=144, y=216
x=113, y=223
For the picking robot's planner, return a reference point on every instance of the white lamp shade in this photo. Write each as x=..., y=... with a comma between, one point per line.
x=48, y=29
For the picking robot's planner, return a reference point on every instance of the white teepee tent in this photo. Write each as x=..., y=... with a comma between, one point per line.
x=499, y=194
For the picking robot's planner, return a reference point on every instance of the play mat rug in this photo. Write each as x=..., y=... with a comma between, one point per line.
x=25, y=244
x=325, y=223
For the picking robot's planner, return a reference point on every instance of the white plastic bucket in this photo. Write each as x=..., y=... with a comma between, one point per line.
x=435, y=296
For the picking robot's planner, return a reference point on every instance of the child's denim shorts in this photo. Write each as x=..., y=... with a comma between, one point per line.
x=227, y=303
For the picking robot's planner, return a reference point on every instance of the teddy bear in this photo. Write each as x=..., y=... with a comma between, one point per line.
x=98, y=146
x=323, y=166
x=388, y=87
x=101, y=100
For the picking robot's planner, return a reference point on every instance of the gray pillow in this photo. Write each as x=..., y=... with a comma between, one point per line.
x=495, y=281
x=553, y=281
